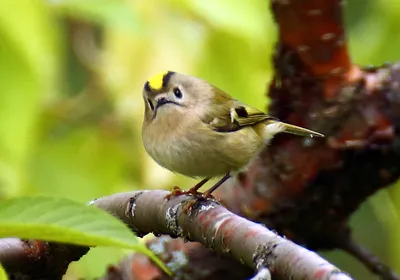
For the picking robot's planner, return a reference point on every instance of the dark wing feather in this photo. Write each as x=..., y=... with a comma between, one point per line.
x=231, y=115
x=247, y=116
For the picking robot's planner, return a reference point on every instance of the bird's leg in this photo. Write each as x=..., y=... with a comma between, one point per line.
x=207, y=194
x=193, y=190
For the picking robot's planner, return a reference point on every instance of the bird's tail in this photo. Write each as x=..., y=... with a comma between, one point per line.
x=275, y=127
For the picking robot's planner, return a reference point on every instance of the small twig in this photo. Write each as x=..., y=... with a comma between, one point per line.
x=369, y=259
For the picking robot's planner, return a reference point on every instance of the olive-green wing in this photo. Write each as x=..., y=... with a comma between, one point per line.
x=228, y=115
x=245, y=115
x=233, y=115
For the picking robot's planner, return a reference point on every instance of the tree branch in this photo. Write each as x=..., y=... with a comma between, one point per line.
x=33, y=259
x=368, y=259
x=211, y=224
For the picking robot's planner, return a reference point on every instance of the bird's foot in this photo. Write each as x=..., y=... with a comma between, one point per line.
x=207, y=195
x=194, y=192
x=197, y=196
x=177, y=191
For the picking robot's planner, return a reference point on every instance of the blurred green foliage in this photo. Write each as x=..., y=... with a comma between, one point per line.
x=3, y=275
x=71, y=75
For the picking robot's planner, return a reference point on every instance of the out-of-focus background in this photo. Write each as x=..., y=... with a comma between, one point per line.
x=71, y=75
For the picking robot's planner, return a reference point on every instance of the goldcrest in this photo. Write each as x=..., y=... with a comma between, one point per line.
x=194, y=128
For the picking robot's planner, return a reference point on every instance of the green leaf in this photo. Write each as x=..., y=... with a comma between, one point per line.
x=62, y=220
x=3, y=274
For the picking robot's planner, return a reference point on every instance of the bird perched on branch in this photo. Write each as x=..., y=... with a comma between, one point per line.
x=194, y=128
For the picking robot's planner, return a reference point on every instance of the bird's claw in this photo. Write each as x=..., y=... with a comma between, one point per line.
x=177, y=191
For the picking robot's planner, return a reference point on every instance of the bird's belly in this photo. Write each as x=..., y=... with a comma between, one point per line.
x=190, y=157
x=205, y=156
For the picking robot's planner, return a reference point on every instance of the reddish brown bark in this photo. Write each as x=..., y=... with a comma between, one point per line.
x=323, y=181
x=34, y=259
x=307, y=189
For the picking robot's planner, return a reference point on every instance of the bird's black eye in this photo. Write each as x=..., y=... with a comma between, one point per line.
x=150, y=104
x=178, y=93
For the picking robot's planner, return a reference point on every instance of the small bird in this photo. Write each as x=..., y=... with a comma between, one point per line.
x=194, y=128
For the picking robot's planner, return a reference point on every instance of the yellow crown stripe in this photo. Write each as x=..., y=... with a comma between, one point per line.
x=156, y=82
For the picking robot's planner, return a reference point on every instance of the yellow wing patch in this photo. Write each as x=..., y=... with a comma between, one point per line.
x=156, y=82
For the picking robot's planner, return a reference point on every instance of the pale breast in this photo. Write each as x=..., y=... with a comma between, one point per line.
x=200, y=151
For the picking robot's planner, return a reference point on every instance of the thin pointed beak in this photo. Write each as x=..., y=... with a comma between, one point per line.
x=162, y=101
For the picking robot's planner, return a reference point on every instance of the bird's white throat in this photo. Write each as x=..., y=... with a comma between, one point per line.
x=272, y=129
